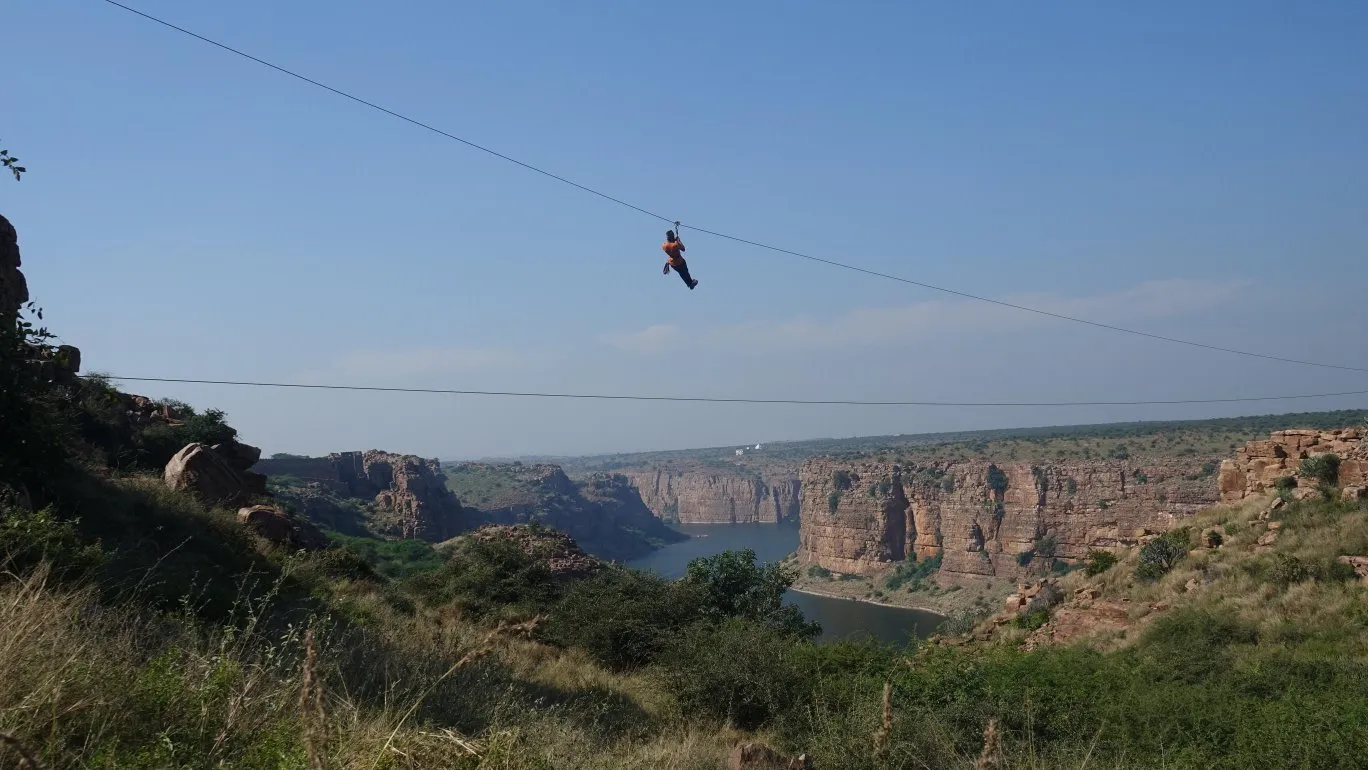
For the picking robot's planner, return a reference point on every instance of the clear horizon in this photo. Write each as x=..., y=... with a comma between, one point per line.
x=1195, y=172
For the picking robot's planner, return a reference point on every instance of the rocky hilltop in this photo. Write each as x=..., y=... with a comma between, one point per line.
x=603, y=512
x=709, y=497
x=410, y=494
x=1258, y=467
x=989, y=519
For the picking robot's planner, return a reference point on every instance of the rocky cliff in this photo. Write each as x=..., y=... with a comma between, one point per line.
x=983, y=518
x=603, y=513
x=703, y=497
x=1258, y=466
x=410, y=493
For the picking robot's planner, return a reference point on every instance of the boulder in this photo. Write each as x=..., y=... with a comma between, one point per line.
x=239, y=455
x=758, y=756
x=281, y=528
x=210, y=477
x=1353, y=494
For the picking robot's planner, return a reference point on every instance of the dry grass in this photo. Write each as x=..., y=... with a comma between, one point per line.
x=89, y=686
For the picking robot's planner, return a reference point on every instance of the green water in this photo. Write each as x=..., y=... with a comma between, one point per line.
x=840, y=618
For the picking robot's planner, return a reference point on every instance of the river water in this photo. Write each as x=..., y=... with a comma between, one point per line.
x=840, y=618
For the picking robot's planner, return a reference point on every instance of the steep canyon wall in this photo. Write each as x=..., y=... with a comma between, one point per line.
x=984, y=518
x=701, y=497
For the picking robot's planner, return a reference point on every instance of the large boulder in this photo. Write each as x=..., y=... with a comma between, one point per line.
x=211, y=477
x=239, y=455
x=282, y=529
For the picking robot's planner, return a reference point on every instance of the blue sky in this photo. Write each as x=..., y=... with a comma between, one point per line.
x=1191, y=169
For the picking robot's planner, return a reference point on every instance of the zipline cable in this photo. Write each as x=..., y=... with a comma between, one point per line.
x=725, y=236
x=705, y=399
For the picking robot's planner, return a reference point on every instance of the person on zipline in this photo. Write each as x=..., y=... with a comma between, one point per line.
x=674, y=249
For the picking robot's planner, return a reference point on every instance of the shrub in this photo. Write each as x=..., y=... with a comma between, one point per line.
x=842, y=480
x=997, y=480
x=623, y=618
x=735, y=671
x=912, y=572
x=948, y=484
x=1158, y=557
x=819, y=572
x=488, y=577
x=1032, y=620
x=30, y=537
x=1072, y=486
x=1214, y=539
x=732, y=585
x=1284, y=483
x=834, y=500
x=1322, y=468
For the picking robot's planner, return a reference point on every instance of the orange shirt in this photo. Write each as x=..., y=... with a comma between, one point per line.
x=674, y=251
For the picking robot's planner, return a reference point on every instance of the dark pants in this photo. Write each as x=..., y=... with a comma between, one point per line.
x=683, y=269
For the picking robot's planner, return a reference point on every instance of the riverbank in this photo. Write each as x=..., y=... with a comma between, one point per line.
x=967, y=594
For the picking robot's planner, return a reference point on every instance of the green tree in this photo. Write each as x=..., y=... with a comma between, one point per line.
x=732, y=585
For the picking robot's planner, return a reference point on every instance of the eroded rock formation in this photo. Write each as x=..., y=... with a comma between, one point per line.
x=411, y=490
x=703, y=497
x=281, y=528
x=214, y=478
x=1258, y=466
x=988, y=519
x=563, y=557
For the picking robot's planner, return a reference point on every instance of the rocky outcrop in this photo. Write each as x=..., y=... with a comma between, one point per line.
x=604, y=513
x=708, y=497
x=410, y=489
x=410, y=492
x=213, y=478
x=1257, y=467
x=559, y=552
x=13, y=288
x=991, y=519
x=282, y=529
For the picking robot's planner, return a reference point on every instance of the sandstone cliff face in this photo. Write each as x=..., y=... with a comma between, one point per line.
x=604, y=513
x=700, y=497
x=1261, y=463
x=981, y=517
x=410, y=492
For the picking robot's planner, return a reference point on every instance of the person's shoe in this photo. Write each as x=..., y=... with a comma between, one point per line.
x=665, y=270
x=695, y=283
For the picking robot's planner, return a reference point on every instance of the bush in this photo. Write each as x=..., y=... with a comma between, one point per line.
x=1284, y=483
x=997, y=480
x=1214, y=539
x=735, y=671
x=819, y=572
x=1158, y=557
x=732, y=585
x=912, y=572
x=1322, y=468
x=30, y=537
x=623, y=618
x=834, y=500
x=1032, y=620
x=489, y=577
